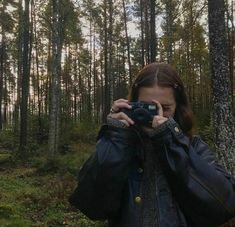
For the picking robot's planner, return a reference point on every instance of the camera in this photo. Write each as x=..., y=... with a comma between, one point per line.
x=141, y=113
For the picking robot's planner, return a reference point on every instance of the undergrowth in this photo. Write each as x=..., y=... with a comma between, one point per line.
x=36, y=193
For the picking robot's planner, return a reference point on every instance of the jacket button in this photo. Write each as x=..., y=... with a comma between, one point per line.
x=176, y=129
x=140, y=170
x=138, y=199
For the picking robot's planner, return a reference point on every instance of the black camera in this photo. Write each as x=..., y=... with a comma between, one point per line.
x=141, y=113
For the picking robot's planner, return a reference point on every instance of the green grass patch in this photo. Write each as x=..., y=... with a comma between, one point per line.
x=36, y=193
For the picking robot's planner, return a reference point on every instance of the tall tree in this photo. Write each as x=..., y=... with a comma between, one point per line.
x=230, y=27
x=106, y=75
x=127, y=41
x=25, y=77
x=2, y=58
x=171, y=10
x=142, y=32
x=6, y=26
x=56, y=73
x=153, y=40
x=62, y=20
x=222, y=98
x=19, y=66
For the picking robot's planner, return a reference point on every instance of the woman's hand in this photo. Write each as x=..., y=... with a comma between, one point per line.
x=117, y=105
x=158, y=119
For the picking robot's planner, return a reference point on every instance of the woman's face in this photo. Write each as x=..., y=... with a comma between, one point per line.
x=164, y=95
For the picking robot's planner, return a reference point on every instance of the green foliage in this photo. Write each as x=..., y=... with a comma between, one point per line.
x=85, y=131
x=71, y=132
x=69, y=162
x=7, y=140
x=38, y=128
x=205, y=127
x=37, y=194
x=6, y=159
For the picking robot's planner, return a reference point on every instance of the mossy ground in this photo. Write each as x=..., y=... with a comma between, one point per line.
x=35, y=193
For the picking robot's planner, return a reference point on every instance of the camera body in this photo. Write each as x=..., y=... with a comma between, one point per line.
x=141, y=113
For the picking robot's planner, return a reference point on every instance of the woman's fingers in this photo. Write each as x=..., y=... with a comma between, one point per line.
x=114, y=112
x=158, y=120
x=160, y=110
x=121, y=100
x=123, y=117
x=120, y=103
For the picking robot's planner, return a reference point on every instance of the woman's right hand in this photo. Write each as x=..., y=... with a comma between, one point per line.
x=117, y=105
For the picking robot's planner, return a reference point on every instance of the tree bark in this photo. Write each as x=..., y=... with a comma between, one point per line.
x=127, y=42
x=19, y=67
x=169, y=30
x=221, y=87
x=55, y=80
x=38, y=89
x=142, y=33
x=153, y=40
x=110, y=53
x=25, y=79
x=106, y=75
x=2, y=67
x=147, y=30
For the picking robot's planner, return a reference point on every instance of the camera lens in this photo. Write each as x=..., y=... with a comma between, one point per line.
x=152, y=107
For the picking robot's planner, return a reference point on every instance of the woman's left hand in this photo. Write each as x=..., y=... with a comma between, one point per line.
x=158, y=119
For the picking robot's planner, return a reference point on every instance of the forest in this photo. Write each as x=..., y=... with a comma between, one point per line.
x=64, y=62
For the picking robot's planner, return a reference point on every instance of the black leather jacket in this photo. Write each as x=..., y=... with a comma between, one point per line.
x=109, y=182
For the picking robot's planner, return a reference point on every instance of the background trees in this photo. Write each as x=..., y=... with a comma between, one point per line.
x=70, y=60
x=62, y=63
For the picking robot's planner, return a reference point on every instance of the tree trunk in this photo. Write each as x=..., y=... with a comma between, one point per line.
x=222, y=98
x=2, y=66
x=231, y=35
x=147, y=31
x=3, y=56
x=55, y=80
x=110, y=53
x=19, y=69
x=169, y=30
x=25, y=79
x=142, y=33
x=39, y=98
x=153, y=40
x=106, y=76
x=127, y=42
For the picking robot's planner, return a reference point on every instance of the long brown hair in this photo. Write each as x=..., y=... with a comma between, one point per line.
x=164, y=75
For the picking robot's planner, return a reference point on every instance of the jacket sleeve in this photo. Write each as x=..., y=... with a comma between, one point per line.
x=203, y=189
x=102, y=178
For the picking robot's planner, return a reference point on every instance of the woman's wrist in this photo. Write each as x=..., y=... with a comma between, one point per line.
x=162, y=128
x=115, y=122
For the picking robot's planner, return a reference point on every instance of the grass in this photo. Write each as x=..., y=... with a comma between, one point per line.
x=36, y=193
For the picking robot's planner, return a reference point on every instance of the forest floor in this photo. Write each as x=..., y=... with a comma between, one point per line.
x=35, y=193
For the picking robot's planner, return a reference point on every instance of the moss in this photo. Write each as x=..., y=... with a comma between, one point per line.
x=37, y=194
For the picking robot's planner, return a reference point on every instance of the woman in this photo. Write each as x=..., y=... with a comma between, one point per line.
x=157, y=174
